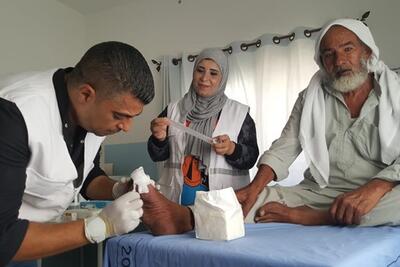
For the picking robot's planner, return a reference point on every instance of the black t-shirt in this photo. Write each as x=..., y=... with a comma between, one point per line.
x=14, y=158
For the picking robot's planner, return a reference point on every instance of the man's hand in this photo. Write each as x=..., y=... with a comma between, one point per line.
x=158, y=128
x=247, y=196
x=224, y=145
x=348, y=208
x=120, y=217
x=121, y=187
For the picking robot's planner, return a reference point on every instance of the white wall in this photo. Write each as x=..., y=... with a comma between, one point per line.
x=39, y=34
x=161, y=27
x=44, y=33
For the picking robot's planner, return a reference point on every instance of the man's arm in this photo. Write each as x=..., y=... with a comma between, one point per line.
x=274, y=163
x=100, y=188
x=247, y=196
x=45, y=239
x=97, y=184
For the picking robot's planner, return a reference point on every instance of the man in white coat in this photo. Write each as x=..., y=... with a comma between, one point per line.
x=52, y=125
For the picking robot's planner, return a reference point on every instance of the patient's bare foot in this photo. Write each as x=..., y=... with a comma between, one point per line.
x=277, y=212
x=163, y=216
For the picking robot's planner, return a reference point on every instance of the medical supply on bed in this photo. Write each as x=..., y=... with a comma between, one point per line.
x=141, y=180
x=76, y=214
x=94, y=204
x=85, y=209
x=191, y=132
x=218, y=215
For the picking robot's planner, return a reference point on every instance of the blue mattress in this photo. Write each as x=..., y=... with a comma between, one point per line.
x=273, y=244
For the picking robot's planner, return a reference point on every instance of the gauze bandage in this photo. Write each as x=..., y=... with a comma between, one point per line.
x=141, y=180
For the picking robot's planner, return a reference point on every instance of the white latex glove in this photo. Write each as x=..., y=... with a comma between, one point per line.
x=120, y=217
x=121, y=187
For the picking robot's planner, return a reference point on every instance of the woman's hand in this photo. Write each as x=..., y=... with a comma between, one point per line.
x=224, y=145
x=158, y=128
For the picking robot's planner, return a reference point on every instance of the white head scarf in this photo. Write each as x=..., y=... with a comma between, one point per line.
x=359, y=29
x=312, y=124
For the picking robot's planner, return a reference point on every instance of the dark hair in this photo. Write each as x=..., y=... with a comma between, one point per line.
x=113, y=68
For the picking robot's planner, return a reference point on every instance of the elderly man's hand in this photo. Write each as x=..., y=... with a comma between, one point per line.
x=247, y=196
x=348, y=208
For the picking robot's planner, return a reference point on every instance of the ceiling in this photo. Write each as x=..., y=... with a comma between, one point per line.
x=92, y=6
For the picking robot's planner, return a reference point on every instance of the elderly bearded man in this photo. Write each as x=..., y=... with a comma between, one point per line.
x=347, y=123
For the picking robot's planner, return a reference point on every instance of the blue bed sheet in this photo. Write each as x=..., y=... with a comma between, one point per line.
x=272, y=244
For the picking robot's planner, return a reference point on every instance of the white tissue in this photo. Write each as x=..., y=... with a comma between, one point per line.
x=141, y=180
x=218, y=215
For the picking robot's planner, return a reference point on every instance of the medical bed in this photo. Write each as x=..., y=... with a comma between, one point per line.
x=272, y=244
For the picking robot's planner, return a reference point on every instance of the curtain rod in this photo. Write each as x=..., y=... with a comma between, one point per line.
x=244, y=46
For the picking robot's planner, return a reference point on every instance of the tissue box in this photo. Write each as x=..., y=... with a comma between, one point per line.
x=218, y=215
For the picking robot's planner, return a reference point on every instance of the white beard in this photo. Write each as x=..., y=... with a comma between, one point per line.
x=349, y=83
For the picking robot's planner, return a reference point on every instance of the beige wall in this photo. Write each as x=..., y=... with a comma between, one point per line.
x=160, y=27
x=44, y=33
x=39, y=34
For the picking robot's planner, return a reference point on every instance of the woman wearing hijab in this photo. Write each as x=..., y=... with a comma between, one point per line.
x=192, y=164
